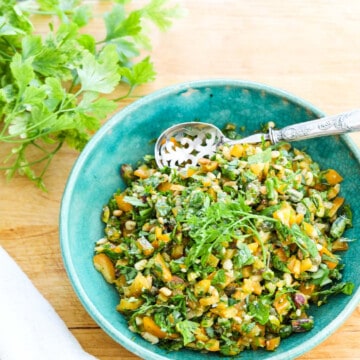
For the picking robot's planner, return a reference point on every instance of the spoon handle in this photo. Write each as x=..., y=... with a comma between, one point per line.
x=329, y=125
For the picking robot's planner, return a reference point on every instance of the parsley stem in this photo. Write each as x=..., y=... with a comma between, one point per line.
x=49, y=155
x=131, y=89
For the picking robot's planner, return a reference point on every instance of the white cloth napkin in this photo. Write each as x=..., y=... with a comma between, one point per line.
x=30, y=329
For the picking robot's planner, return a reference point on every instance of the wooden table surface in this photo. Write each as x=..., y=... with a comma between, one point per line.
x=310, y=48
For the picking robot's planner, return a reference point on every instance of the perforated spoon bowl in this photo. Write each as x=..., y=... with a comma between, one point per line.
x=182, y=145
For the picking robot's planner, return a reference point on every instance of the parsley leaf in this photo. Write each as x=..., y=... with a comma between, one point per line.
x=260, y=311
x=219, y=277
x=160, y=15
x=140, y=73
x=99, y=74
x=243, y=256
x=52, y=85
x=118, y=25
x=187, y=328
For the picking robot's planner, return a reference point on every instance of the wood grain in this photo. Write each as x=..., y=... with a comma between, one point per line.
x=311, y=49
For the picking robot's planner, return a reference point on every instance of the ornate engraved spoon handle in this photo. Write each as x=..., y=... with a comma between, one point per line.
x=329, y=125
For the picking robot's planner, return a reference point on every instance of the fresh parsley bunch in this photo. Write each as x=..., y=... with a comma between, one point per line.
x=51, y=86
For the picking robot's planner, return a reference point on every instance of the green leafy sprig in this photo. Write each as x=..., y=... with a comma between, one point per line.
x=220, y=223
x=52, y=87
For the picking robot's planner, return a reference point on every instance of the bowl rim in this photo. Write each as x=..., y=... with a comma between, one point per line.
x=69, y=265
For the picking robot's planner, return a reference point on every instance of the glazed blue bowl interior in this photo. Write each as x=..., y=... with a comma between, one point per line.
x=129, y=135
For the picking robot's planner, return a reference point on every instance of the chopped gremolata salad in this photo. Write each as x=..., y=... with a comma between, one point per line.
x=226, y=256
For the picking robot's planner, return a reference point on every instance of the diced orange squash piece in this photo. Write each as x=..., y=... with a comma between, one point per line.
x=207, y=301
x=167, y=186
x=251, y=286
x=339, y=245
x=213, y=260
x=257, y=287
x=188, y=173
x=143, y=172
x=239, y=295
x=212, y=193
x=161, y=268
x=225, y=311
x=332, y=177
x=331, y=264
x=103, y=264
x=299, y=218
x=151, y=327
x=257, y=169
x=202, y=287
x=307, y=289
x=258, y=342
x=200, y=334
x=305, y=265
x=210, y=300
x=129, y=304
x=122, y=204
x=237, y=150
x=333, y=192
x=286, y=214
x=164, y=237
x=177, y=251
x=253, y=247
x=120, y=281
x=229, y=254
x=272, y=343
x=158, y=231
x=281, y=254
x=139, y=284
x=246, y=271
x=160, y=236
x=294, y=265
x=177, y=187
x=212, y=345
x=310, y=230
x=207, y=165
x=282, y=304
x=164, y=186
x=337, y=203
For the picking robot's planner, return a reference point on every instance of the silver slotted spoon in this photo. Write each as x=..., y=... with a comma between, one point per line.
x=182, y=145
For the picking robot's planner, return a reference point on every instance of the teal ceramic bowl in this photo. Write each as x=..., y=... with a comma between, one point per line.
x=128, y=136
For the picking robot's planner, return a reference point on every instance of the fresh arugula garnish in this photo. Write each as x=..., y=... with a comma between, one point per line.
x=221, y=223
x=51, y=87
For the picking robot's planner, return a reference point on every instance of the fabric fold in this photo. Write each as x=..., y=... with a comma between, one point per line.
x=29, y=326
